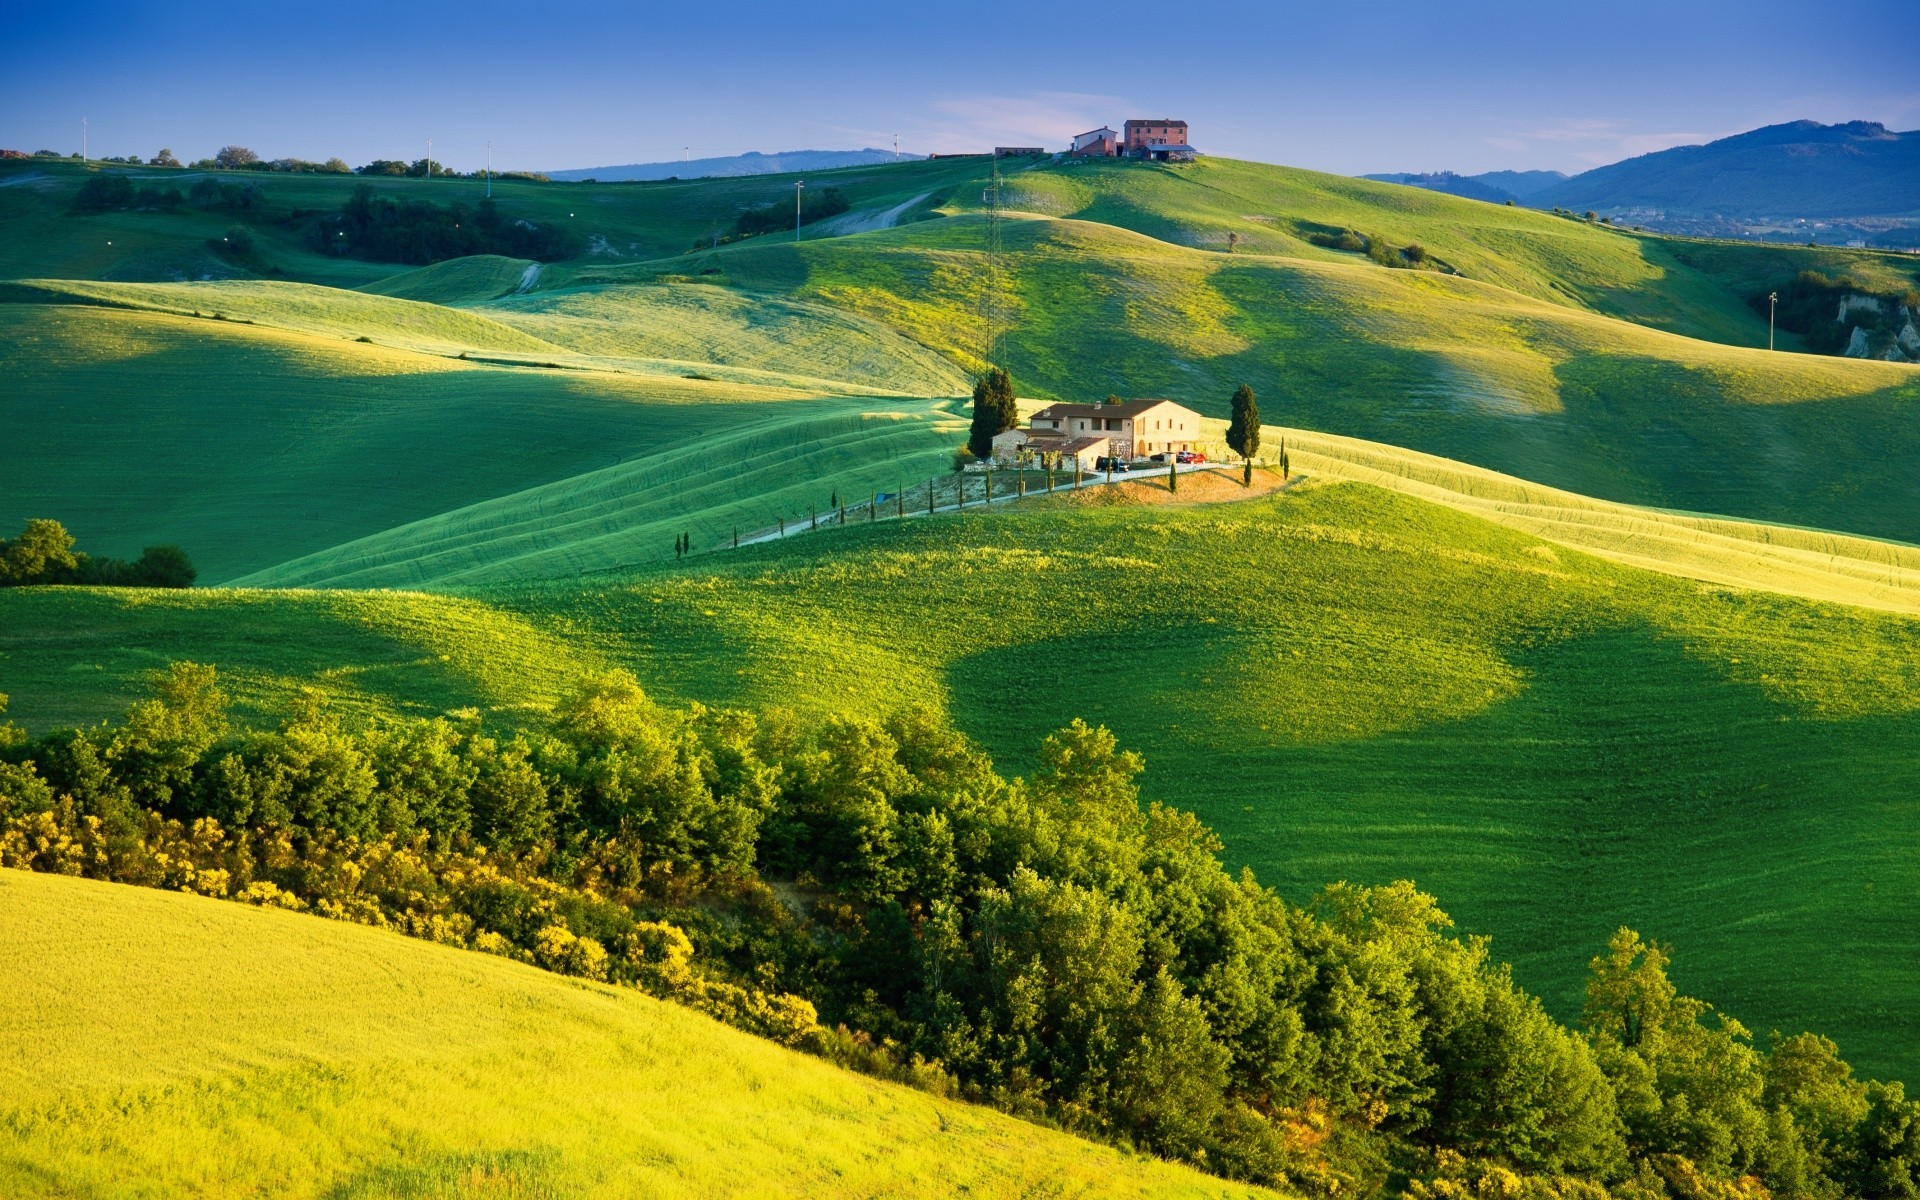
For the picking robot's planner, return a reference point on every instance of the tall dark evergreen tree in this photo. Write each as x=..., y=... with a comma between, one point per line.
x=1243, y=432
x=994, y=411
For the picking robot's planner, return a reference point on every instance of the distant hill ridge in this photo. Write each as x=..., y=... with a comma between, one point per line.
x=1800, y=170
x=751, y=163
x=1496, y=187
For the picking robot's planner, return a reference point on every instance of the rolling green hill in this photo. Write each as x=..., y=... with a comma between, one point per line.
x=1346, y=681
x=254, y=445
x=156, y=1044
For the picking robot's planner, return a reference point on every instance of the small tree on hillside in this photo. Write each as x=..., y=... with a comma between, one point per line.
x=43, y=548
x=164, y=159
x=1243, y=432
x=994, y=411
x=232, y=157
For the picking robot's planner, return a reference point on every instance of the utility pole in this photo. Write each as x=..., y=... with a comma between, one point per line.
x=489, y=169
x=1772, y=299
x=798, y=185
x=896, y=147
x=83, y=141
x=429, y=158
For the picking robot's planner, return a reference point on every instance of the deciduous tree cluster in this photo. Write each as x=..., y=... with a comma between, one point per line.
x=876, y=891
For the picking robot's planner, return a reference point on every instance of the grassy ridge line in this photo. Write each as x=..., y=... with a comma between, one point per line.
x=1813, y=564
x=630, y=513
x=470, y=280
x=726, y=347
x=300, y=308
x=154, y=1044
x=697, y=323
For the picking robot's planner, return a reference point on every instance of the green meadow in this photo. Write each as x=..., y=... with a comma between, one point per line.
x=163, y=1045
x=1491, y=636
x=1347, y=682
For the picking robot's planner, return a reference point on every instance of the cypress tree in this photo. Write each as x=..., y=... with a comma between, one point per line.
x=1173, y=475
x=994, y=411
x=1243, y=432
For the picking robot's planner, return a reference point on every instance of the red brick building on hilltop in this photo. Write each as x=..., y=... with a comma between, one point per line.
x=1160, y=138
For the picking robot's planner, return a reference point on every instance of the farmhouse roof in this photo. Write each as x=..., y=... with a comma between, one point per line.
x=1157, y=121
x=1076, y=445
x=1129, y=408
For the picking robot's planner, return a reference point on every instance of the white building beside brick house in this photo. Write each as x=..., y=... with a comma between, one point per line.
x=1130, y=430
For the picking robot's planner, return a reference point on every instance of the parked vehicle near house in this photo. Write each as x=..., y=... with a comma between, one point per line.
x=1190, y=456
x=1111, y=464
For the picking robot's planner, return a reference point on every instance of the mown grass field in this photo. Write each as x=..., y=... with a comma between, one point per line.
x=158, y=1045
x=1347, y=682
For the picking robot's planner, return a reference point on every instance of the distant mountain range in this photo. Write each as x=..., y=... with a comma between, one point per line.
x=1854, y=181
x=1494, y=186
x=751, y=163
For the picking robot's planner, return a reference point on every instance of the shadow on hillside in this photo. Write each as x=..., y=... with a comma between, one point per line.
x=1630, y=782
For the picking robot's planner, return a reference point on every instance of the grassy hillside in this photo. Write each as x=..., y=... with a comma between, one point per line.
x=253, y=445
x=156, y=1044
x=1440, y=364
x=1345, y=681
x=1508, y=366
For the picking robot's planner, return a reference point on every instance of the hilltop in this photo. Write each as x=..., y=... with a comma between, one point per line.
x=156, y=1043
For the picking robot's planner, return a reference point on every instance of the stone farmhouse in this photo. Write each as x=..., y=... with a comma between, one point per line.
x=1087, y=433
x=1161, y=139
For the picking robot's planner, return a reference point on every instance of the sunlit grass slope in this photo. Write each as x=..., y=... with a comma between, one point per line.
x=1444, y=365
x=155, y=1044
x=251, y=445
x=1347, y=682
x=460, y=280
x=1695, y=288
x=733, y=481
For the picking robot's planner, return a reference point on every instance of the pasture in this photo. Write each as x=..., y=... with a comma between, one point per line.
x=156, y=1044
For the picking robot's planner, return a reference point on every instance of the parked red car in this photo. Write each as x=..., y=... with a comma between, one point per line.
x=1190, y=456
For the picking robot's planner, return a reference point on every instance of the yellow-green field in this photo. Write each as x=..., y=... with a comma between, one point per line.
x=161, y=1045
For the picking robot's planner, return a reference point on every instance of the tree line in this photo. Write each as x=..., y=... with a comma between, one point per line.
x=407, y=230
x=44, y=554
x=1047, y=944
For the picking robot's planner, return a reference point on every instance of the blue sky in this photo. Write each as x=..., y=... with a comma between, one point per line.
x=1338, y=87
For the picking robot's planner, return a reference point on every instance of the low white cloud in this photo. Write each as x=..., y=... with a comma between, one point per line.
x=958, y=124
